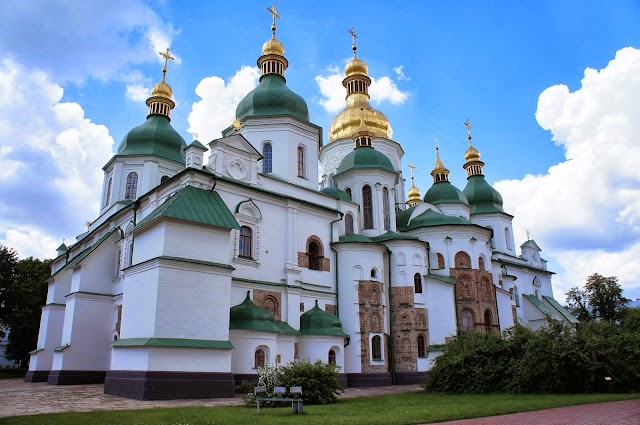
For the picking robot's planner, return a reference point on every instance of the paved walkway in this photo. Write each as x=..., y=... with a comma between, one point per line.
x=21, y=398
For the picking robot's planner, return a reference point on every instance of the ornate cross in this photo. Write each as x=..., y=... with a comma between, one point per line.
x=413, y=167
x=353, y=35
x=167, y=57
x=468, y=125
x=273, y=11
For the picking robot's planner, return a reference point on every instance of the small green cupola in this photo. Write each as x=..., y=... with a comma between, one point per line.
x=272, y=96
x=156, y=136
x=318, y=322
x=482, y=197
x=442, y=191
x=334, y=192
x=249, y=317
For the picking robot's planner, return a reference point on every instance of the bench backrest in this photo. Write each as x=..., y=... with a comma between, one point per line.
x=260, y=390
x=280, y=390
x=295, y=390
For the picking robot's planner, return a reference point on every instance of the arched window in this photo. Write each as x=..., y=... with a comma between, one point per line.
x=374, y=274
x=332, y=357
x=164, y=179
x=462, y=260
x=440, y=260
x=376, y=347
x=421, y=321
x=487, y=320
x=507, y=237
x=422, y=346
x=267, y=158
x=300, y=161
x=466, y=320
x=314, y=251
x=348, y=192
x=260, y=358
x=375, y=295
x=402, y=259
x=245, y=242
x=367, y=207
x=348, y=224
x=385, y=208
x=108, y=197
x=417, y=283
x=271, y=304
x=131, y=187
x=481, y=263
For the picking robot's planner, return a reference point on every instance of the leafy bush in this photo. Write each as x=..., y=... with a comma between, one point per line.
x=554, y=359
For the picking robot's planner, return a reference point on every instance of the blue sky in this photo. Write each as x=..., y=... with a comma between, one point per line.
x=74, y=76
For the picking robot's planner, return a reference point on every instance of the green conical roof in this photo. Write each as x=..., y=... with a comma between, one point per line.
x=336, y=193
x=62, y=247
x=248, y=316
x=482, y=197
x=154, y=137
x=426, y=219
x=365, y=157
x=318, y=322
x=445, y=193
x=272, y=97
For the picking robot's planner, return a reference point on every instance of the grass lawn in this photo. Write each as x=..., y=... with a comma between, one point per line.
x=12, y=373
x=397, y=409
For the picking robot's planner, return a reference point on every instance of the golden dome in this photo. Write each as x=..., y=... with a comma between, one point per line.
x=472, y=154
x=414, y=193
x=162, y=89
x=273, y=47
x=347, y=122
x=356, y=67
x=439, y=168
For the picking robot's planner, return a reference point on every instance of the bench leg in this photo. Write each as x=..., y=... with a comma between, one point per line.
x=258, y=401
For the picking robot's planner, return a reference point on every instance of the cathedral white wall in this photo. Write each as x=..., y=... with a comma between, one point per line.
x=455, y=210
x=49, y=337
x=316, y=347
x=130, y=358
x=246, y=343
x=59, y=288
x=441, y=309
x=181, y=359
x=504, y=303
x=186, y=240
x=502, y=230
x=97, y=271
x=139, y=302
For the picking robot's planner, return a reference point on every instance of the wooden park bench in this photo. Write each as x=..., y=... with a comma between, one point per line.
x=279, y=394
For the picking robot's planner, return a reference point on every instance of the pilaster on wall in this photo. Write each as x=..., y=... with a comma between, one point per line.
x=408, y=323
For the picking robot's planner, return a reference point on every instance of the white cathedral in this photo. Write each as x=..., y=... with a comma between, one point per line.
x=194, y=274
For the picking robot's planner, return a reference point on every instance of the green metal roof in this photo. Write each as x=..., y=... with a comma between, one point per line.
x=336, y=193
x=197, y=144
x=154, y=137
x=530, y=243
x=563, y=311
x=195, y=205
x=427, y=219
x=446, y=279
x=444, y=192
x=482, y=197
x=248, y=316
x=355, y=238
x=84, y=254
x=365, y=157
x=546, y=309
x=393, y=235
x=62, y=247
x=318, y=322
x=172, y=342
x=272, y=97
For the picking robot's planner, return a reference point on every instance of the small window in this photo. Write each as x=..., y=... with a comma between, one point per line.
x=164, y=179
x=107, y=200
x=132, y=186
x=487, y=321
x=481, y=263
x=244, y=242
x=385, y=208
x=315, y=256
x=367, y=207
x=267, y=160
x=462, y=260
x=300, y=161
x=301, y=307
x=417, y=283
x=348, y=224
x=422, y=346
x=118, y=262
x=332, y=357
x=440, y=260
x=466, y=321
x=259, y=358
x=348, y=192
x=376, y=347
x=507, y=237
x=374, y=274
x=130, y=262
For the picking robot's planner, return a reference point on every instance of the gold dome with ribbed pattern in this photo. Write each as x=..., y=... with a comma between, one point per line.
x=273, y=46
x=162, y=89
x=472, y=154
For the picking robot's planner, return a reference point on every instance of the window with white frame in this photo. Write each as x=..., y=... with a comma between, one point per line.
x=131, y=188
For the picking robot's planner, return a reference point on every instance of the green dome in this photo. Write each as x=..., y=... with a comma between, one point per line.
x=250, y=317
x=272, y=97
x=365, y=157
x=154, y=137
x=336, y=193
x=445, y=193
x=428, y=218
x=319, y=322
x=482, y=197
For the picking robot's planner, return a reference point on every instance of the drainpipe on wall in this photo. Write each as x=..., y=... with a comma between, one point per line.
x=135, y=207
x=392, y=344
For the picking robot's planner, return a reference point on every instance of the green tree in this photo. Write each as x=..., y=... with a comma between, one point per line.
x=23, y=290
x=601, y=299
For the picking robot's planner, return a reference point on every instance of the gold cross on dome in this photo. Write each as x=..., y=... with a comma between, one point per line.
x=167, y=57
x=353, y=35
x=468, y=125
x=413, y=167
x=273, y=11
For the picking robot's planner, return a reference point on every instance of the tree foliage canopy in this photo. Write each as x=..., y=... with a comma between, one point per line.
x=600, y=299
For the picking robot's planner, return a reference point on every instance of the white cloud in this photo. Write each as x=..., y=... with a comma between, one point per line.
x=216, y=109
x=399, y=70
x=137, y=92
x=333, y=93
x=8, y=167
x=585, y=211
x=30, y=243
x=65, y=151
